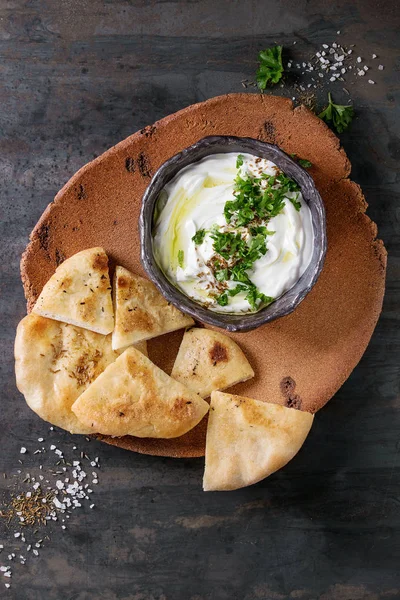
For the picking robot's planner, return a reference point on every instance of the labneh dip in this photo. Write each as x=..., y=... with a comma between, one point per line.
x=232, y=232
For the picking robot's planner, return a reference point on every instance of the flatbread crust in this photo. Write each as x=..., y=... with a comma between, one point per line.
x=141, y=312
x=301, y=359
x=79, y=293
x=55, y=363
x=134, y=397
x=208, y=361
x=247, y=440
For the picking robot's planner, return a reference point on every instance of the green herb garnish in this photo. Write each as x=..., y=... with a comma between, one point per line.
x=254, y=203
x=239, y=161
x=303, y=162
x=181, y=256
x=271, y=68
x=296, y=203
x=198, y=237
x=339, y=115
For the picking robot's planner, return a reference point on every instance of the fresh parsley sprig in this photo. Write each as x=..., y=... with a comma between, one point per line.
x=339, y=115
x=199, y=236
x=271, y=68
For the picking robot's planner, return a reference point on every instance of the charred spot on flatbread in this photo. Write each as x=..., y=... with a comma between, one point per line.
x=218, y=353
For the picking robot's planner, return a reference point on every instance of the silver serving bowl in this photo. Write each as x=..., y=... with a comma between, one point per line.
x=286, y=303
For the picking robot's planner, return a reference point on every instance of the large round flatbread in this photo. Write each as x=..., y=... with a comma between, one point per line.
x=248, y=440
x=300, y=360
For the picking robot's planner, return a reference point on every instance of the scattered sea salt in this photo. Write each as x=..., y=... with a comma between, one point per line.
x=23, y=450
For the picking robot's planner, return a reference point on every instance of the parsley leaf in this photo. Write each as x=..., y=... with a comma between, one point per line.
x=303, y=162
x=223, y=300
x=296, y=203
x=181, y=256
x=239, y=161
x=339, y=115
x=271, y=68
x=198, y=237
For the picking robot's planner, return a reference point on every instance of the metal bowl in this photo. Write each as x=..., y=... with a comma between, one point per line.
x=286, y=303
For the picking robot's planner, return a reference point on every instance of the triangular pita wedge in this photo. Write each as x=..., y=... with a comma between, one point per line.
x=79, y=293
x=247, y=440
x=55, y=363
x=134, y=397
x=209, y=360
x=141, y=312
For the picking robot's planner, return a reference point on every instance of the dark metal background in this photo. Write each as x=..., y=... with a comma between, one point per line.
x=77, y=77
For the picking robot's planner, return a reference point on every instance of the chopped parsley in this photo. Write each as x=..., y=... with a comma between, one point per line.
x=339, y=115
x=303, y=162
x=256, y=201
x=181, y=257
x=239, y=161
x=296, y=203
x=198, y=237
x=271, y=68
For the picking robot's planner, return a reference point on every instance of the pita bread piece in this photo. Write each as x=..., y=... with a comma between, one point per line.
x=134, y=397
x=209, y=360
x=79, y=293
x=141, y=312
x=55, y=363
x=247, y=440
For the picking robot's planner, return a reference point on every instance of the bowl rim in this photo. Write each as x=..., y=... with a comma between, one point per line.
x=232, y=322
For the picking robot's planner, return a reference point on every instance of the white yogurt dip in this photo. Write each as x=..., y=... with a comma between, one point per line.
x=235, y=257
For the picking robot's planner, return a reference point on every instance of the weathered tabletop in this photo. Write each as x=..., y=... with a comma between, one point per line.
x=77, y=77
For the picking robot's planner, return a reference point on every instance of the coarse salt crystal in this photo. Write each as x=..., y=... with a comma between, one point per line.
x=52, y=447
x=325, y=46
x=359, y=59
x=35, y=552
x=17, y=534
x=365, y=68
x=4, y=569
x=23, y=450
x=374, y=56
x=381, y=67
x=40, y=440
x=7, y=574
x=371, y=82
x=361, y=73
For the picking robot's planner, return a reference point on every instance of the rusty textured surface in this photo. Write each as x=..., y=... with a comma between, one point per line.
x=78, y=77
